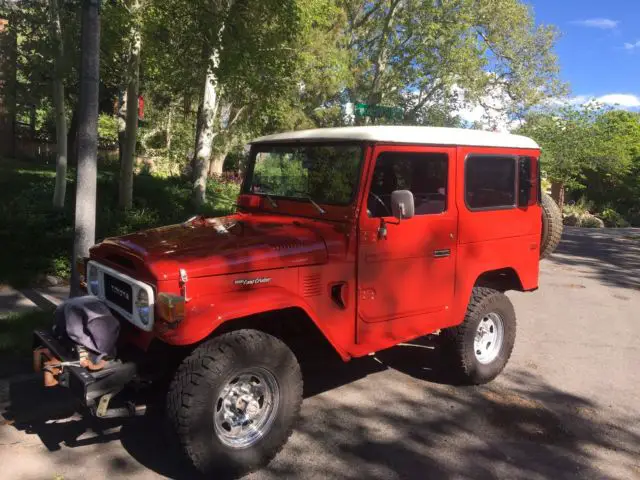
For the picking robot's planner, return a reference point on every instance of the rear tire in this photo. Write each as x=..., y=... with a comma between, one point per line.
x=551, y=226
x=234, y=401
x=479, y=348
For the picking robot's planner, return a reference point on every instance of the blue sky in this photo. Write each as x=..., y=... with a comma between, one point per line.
x=599, y=47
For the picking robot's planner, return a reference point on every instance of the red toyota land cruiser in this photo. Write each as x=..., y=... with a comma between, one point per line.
x=362, y=236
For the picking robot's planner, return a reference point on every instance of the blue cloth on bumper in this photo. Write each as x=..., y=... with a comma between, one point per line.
x=88, y=322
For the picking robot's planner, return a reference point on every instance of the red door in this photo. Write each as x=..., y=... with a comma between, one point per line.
x=406, y=279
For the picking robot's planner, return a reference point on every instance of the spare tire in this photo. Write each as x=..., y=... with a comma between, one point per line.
x=551, y=226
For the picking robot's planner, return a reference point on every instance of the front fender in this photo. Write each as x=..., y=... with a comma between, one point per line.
x=211, y=311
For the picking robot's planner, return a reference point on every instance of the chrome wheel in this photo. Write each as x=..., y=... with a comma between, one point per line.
x=489, y=336
x=246, y=408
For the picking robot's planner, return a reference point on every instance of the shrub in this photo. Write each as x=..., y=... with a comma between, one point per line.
x=107, y=129
x=613, y=219
x=581, y=207
x=634, y=217
x=223, y=190
x=571, y=219
x=590, y=221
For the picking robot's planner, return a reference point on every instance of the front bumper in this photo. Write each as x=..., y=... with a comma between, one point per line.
x=87, y=385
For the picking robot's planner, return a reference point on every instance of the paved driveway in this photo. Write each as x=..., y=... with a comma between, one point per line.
x=567, y=406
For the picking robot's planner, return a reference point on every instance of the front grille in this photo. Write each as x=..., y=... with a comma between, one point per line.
x=118, y=292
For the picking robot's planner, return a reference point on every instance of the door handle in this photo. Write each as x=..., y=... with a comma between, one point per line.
x=445, y=252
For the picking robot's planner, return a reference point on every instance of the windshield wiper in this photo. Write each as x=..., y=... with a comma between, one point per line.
x=271, y=200
x=265, y=194
x=312, y=202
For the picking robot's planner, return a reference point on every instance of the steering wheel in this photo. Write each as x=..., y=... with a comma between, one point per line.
x=376, y=197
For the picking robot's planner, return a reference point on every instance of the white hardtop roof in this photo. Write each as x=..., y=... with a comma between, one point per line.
x=407, y=135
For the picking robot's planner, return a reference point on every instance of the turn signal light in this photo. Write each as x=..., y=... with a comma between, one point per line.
x=171, y=307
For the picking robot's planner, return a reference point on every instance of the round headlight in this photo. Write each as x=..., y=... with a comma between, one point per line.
x=142, y=306
x=92, y=280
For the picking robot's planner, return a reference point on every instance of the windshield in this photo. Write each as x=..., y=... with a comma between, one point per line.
x=325, y=174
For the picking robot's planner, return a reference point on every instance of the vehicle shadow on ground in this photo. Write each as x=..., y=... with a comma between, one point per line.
x=611, y=256
x=519, y=427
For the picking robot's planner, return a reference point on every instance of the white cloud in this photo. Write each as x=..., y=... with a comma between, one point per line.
x=602, y=23
x=490, y=113
x=621, y=100
x=632, y=46
x=625, y=100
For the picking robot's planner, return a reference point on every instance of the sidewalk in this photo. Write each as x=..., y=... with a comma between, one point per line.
x=18, y=301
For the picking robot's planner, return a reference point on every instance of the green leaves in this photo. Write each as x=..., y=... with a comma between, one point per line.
x=579, y=139
x=424, y=54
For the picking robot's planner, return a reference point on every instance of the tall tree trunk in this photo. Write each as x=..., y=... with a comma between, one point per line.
x=217, y=162
x=186, y=106
x=58, y=103
x=169, y=128
x=205, y=131
x=557, y=193
x=85, y=218
x=122, y=127
x=382, y=55
x=131, y=134
x=205, y=135
x=72, y=138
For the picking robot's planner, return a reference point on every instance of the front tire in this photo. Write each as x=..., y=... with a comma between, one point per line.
x=234, y=401
x=479, y=348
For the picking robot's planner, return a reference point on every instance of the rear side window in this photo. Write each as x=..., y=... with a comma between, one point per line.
x=490, y=182
x=528, y=182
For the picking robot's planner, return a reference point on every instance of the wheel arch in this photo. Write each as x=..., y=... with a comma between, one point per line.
x=501, y=279
x=293, y=325
x=273, y=310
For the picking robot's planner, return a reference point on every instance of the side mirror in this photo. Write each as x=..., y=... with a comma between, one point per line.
x=402, y=204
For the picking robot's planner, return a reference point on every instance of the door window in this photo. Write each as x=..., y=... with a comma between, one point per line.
x=424, y=174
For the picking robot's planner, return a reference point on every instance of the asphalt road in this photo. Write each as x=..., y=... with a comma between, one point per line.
x=567, y=405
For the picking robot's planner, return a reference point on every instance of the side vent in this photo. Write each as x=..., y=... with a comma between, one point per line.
x=311, y=285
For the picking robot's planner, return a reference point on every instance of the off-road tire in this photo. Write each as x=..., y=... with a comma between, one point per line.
x=551, y=226
x=458, y=341
x=199, y=379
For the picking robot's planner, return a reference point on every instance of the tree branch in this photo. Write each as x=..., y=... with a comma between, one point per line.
x=367, y=15
x=236, y=116
x=423, y=100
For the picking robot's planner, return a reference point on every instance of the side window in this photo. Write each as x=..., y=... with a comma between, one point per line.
x=527, y=182
x=424, y=174
x=490, y=182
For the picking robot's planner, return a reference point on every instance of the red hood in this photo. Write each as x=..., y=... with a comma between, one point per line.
x=218, y=246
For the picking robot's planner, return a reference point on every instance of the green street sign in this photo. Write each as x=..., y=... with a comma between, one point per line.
x=378, y=111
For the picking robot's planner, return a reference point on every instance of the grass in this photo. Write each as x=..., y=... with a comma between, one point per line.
x=16, y=331
x=36, y=240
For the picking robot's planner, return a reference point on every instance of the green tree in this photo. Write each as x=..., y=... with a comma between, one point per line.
x=565, y=135
x=127, y=158
x=419, y=55
x=581, y=140
x=612, y=178
x=240, y=73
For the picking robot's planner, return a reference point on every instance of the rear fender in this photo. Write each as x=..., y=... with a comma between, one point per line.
x=211, y=311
